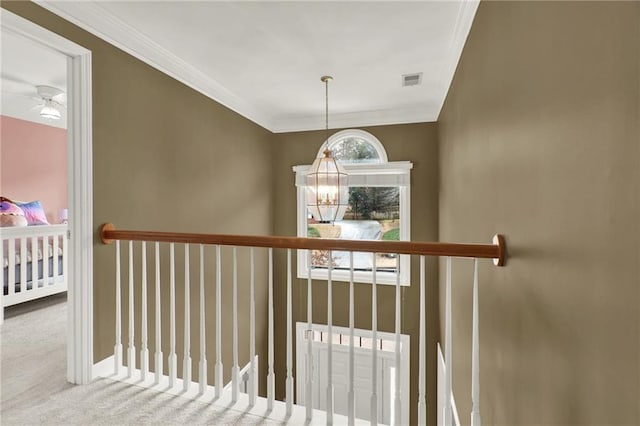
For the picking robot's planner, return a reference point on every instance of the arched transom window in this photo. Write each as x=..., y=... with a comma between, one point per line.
x=355, y=147
x=379, y=206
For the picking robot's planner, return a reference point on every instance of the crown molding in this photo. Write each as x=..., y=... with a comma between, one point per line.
x=94, y=18
x=464, y=20
x=418, y=114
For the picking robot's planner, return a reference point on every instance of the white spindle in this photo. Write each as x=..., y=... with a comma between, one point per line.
x=309, y=335
x=11, y=252
x=330, y=391
x=144, y=350
x=219, y=370
x=397, y=401
x=131, y=349
x=373, y=415
x=34, y=263
x=289, y=378
x=448, y=347
x=202, y=367
x=158, y=354
x=351, y=395
x=2, y=279
x=186, y=359
x=173, y=358
x=45, y=261
x=252, y=333
x=475, y=353
x=24, y=264
x=235, y=369
x=422, y=403
x=270, y=373
x=54, y=258
x=65, y=255
x=117, y=350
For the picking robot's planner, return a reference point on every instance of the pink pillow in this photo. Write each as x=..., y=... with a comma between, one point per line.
x=34, y=213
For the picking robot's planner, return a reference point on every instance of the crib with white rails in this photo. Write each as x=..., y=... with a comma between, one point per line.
x=34, y=263
x=142, y=363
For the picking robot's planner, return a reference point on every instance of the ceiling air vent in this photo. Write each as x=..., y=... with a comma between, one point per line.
x=412, y=79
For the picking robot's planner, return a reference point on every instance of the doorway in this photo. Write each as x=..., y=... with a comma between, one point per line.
x=79, y=193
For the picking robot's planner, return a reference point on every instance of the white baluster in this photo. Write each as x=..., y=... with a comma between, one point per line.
x=289, y=378
x=144, y=350
x=235, y=369
x=202, y=367
x=219, y=371
x=270, y=373
x=2, y=279
x=54, y=258
x=422, y=403
x=117, y=350
x=34, y=263
x=186, y=359
x=65, y=254
x=475, y=353
x=448, y=347
x=131, y=350
x=397, y=401
x=173, y=358
x=330, y=390
x=309, y=335
x=252, y=333
x=45, y=263
x=158, y=355
x=351, y=395
x=373, y=415
x=11, y=252
x=24, y=264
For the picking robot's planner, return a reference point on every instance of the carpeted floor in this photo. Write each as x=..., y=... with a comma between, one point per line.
x=34, y=390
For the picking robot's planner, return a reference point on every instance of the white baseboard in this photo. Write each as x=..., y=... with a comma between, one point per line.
x=103, y=368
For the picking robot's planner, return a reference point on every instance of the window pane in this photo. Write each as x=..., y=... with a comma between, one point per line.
x=373, y=214
x=355, y=150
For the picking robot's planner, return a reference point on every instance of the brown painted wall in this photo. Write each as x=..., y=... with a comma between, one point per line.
x=539, y=140
x=416, y=143
x=168, y=158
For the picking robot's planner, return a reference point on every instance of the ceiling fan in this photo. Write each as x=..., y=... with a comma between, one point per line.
x=51, y=100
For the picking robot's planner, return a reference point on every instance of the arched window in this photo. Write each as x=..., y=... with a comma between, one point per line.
x=355, y=147
x=379, y=207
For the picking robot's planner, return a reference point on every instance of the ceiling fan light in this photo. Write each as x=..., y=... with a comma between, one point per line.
x=50, y=112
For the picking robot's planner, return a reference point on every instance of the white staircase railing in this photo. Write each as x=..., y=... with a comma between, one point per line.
x=182, y=383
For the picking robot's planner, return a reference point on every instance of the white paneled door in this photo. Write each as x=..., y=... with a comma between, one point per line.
x=386, y=367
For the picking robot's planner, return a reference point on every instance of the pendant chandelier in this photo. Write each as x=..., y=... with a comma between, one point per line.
x=327, y=181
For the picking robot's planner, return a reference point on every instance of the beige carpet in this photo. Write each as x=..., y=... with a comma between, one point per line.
x=34, y=390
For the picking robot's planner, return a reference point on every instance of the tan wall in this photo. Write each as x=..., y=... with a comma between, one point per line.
x=416, y=143
x=539, y=140
x=168, y=158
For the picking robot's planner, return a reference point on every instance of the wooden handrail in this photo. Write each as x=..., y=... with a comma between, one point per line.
x=495, y=251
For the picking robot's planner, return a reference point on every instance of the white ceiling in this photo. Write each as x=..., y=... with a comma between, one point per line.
x=25, y=65
x=264, y=59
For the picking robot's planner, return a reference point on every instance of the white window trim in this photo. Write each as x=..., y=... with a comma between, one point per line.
x=395, y=173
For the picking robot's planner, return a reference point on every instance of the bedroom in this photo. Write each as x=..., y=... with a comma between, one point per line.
x=33, y=171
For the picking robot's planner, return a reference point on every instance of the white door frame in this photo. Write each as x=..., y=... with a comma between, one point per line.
x=80, y=191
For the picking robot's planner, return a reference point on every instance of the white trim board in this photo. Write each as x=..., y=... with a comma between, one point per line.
x=80, y=191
